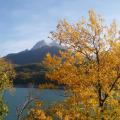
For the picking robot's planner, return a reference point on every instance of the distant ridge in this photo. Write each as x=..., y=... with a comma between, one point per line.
x=35, y=55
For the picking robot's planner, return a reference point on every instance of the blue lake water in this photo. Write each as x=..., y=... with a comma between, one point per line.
x=18, y=96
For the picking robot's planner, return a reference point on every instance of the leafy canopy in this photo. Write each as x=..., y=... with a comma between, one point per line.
x=90, y=67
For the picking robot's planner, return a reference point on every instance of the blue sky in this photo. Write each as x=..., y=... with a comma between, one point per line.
x=24, y=22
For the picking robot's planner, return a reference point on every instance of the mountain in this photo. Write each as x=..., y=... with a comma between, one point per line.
x=27, y=63
x=35, y=55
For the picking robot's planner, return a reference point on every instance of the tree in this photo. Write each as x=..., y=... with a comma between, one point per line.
x=6, y=75
x=36, y=113
x=90, y=67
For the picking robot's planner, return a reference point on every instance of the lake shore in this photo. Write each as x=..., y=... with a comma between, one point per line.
x=37, y=86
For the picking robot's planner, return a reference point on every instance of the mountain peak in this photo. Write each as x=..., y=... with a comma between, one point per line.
x=54, y=43
x=39, y=44
x=42, y=43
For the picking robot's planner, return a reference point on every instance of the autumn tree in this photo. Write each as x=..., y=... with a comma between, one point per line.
x=89, y=69
x=6, y=75
x=36, y=113
x=31, y=110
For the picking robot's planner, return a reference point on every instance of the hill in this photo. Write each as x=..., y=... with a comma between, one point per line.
x=31, y=73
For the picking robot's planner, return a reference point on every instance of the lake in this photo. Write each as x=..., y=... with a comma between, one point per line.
x=18, y=95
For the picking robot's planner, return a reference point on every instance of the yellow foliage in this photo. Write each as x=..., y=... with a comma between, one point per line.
x=90, y=67
x=36, y=113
